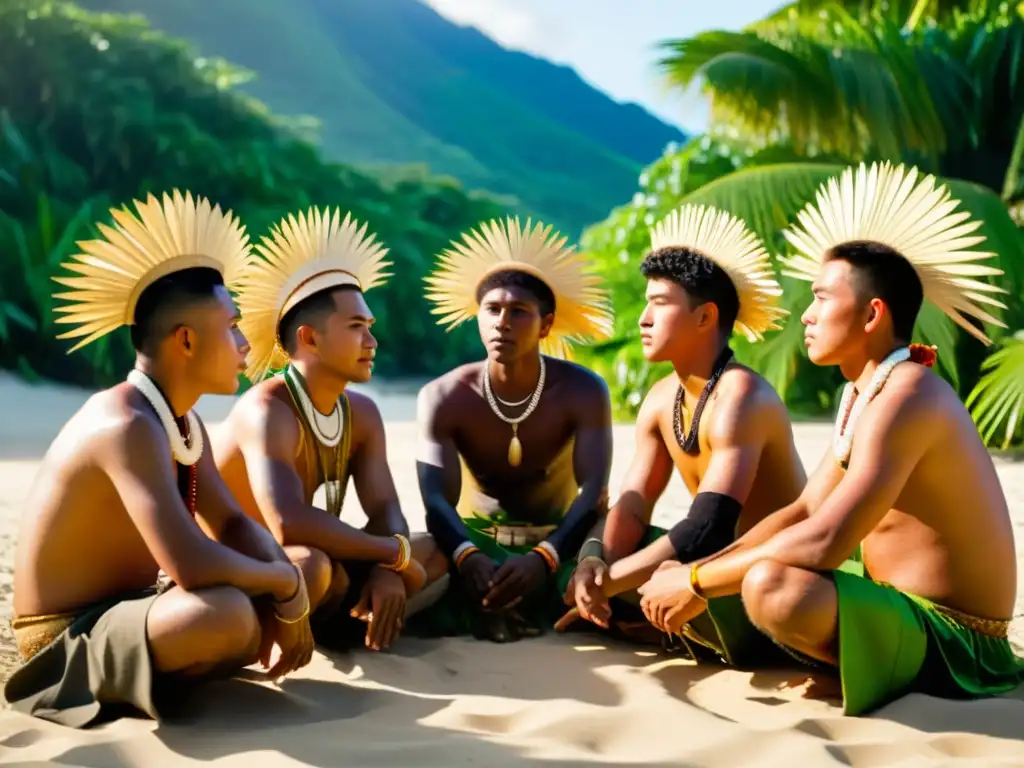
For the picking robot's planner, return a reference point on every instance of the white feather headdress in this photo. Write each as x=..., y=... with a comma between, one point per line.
x=302, y=256
x=175, y=233
x=911, y=214
x=582, y=309
x=727, y=241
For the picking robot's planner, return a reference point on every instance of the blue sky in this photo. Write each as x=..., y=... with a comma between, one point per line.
x=610, y=43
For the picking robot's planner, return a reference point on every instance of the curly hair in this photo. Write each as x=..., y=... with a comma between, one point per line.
x=704, y=281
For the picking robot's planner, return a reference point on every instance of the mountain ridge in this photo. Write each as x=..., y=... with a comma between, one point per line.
x=392, y=84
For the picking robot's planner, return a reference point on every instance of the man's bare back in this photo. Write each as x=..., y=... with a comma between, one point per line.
x=949, y=536
x=62, y=564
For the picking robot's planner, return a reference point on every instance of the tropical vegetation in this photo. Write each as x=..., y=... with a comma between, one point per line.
x=99, y=109
x=802, y=94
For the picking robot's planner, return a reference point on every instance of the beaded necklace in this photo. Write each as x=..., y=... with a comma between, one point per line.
x=690, y=442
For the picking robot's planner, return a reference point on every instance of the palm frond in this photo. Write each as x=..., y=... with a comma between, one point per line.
x=997, y=401
x=855, y=90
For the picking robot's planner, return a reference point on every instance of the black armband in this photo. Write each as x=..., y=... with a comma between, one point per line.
x=709, y=526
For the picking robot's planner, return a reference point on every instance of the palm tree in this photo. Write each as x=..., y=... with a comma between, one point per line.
x=936, y=84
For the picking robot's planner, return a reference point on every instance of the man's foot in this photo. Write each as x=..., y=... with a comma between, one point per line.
x=507, y=627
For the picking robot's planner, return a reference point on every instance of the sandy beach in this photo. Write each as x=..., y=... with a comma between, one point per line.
x=565, y=700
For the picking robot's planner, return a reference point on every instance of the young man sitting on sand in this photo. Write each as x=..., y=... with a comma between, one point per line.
x=304, y=310
x=136, y=572
x=514, y=451
x=896, y=566
x=717, y=423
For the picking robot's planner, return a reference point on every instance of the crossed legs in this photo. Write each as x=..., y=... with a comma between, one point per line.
x=797, y=608
x=327, y=582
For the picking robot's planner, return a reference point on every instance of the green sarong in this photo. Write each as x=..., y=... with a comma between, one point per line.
x=454, y=614
x=890, y=643
x=723, y=632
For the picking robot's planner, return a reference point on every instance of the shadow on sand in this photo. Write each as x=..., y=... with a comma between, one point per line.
x=567, y=700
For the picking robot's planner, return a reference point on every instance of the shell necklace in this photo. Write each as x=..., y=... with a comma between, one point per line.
x=851, y=407
x=183, y=452
x=327, y=428
x=515, y=448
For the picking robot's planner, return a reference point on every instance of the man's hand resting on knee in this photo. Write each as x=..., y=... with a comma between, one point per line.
x=286, y=625
x=585, y=593
x=382, y=603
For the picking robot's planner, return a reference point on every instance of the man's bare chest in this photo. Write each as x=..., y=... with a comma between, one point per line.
x=482, y=437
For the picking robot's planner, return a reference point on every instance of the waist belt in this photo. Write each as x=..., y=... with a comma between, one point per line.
x=33, y=633
x=518, y=535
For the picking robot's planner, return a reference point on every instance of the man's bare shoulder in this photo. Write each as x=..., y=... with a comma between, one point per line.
x=113, y=421
x=657, y=403
x=265, y=406
x=582, y=384
x=450, y=386
x=366, y=416
x=746, y=408
x=916, y=400
x=744, y=389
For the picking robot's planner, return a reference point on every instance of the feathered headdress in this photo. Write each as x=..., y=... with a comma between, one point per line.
x=913, y=216
x=302, y=256
x=728, y=242
x=168, y=235
x=582, y=310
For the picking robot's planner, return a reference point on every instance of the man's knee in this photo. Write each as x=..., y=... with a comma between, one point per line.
x=340, y=581
x=430, y=556
x=316, y=570
x=206, y=626
x=773, y=597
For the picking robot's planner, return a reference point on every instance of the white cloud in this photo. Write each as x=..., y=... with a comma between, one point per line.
x=513, y=23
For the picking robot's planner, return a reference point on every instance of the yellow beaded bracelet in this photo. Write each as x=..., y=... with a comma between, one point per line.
x=695, y=583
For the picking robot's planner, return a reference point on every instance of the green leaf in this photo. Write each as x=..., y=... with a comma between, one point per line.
x=997, y=402
x=19, y=317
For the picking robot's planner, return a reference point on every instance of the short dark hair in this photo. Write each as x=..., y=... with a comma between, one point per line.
x=515, y=278
x=162, y=305
x=703, y=280
x=311, y=311
x=884, y=273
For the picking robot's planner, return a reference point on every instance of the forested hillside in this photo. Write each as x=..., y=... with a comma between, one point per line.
x=391, y=82
x=97, y=110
